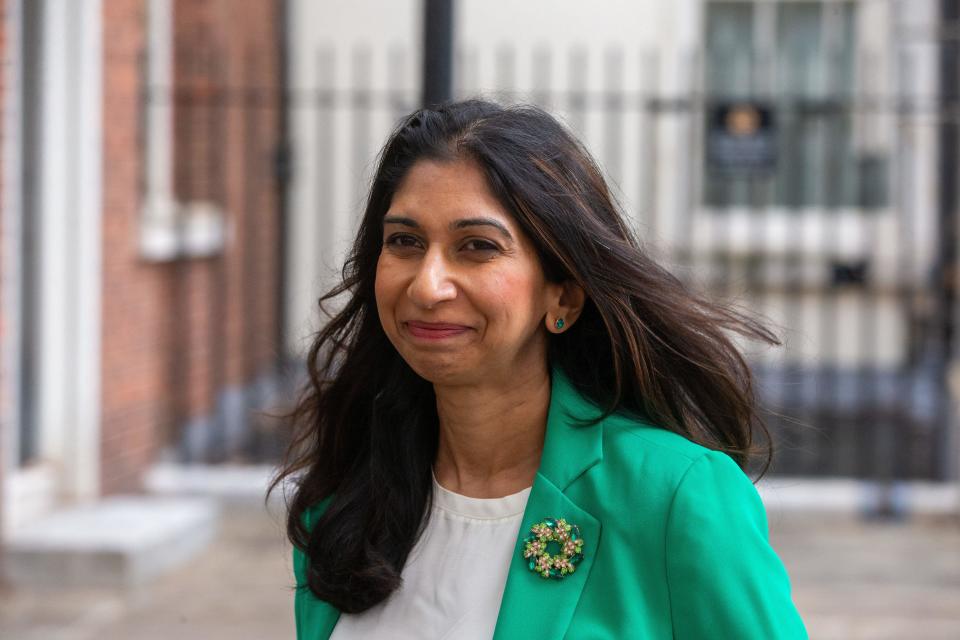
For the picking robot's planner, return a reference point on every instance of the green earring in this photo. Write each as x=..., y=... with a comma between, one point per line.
x=559, y=323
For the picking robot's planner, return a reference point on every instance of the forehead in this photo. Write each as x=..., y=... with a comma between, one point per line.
x=445, y=191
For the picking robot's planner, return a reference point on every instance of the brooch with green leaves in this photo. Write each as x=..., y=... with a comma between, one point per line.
x=554, y=549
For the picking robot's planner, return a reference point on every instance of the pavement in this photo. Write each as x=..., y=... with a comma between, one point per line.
x=852, y=579
x=863, y=579
x=239, y=588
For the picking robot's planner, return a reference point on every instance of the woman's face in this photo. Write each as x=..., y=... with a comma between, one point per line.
x=459, y=287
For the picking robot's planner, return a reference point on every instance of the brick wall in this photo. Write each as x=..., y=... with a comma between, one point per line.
x=177, y=334
x=226, y=133
x=136, y=295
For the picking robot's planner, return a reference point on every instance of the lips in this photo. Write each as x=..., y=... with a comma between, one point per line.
x=435, y=330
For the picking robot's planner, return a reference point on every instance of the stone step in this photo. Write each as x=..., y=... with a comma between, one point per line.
x=120, y=541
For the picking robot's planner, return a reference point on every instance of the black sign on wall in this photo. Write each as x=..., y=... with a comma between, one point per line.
x=741, y=137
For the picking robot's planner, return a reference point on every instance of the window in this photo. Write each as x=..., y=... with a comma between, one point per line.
x=800, y=59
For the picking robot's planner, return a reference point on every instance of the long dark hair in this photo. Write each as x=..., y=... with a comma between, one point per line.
x=366, y=424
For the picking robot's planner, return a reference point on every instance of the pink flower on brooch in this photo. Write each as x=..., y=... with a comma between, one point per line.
x=533, y=548
x=564, y=565
x=544, y=565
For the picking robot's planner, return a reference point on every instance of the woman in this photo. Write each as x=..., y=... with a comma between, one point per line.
x=518, y=425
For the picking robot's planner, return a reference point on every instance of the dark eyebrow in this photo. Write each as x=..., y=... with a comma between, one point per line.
x=486, y=222
x=407, y=222
x=457, y=224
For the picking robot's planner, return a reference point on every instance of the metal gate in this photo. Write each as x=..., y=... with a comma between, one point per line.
x=813, y=209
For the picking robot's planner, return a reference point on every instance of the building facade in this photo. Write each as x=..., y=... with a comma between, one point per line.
x=140, y=254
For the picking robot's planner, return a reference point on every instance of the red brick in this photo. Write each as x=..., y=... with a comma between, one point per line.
x=167, y=349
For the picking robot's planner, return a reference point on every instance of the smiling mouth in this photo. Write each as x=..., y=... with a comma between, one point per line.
x=435, y=330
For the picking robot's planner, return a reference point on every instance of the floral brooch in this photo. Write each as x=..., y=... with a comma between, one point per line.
x=554, y=549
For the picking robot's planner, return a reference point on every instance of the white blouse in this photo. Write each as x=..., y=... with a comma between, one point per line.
x=454, y=577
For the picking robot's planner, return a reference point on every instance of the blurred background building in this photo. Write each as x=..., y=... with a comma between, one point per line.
x=781, y=154
x=180, y=180
x=141, y=240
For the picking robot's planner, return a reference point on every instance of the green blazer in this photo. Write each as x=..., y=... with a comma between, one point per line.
x=675, y=541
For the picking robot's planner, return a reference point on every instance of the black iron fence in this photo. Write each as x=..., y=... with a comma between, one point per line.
x=816, y=212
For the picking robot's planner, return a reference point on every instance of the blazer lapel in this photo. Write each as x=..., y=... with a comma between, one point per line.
x=532, y=606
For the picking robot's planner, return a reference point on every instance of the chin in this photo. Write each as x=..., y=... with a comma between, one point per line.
x=444, y=371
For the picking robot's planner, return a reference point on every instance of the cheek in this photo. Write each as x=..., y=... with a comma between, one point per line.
x=517, y=297
x=384, y=287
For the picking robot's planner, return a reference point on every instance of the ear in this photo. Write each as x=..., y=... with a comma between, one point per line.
x=567, y=300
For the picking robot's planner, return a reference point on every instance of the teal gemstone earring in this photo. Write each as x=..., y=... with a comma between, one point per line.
x=559, y=323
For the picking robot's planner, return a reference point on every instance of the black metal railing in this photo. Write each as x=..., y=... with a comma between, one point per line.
x=835, y=245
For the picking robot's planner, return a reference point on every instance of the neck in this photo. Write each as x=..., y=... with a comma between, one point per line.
x=491, y=437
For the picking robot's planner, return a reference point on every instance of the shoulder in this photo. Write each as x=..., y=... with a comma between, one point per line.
x=629, y=431
x=650, y=470
x=631, y=443
x=696, y=514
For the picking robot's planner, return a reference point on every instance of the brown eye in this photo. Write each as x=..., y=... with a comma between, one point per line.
x=480, y=245
x=402, y=240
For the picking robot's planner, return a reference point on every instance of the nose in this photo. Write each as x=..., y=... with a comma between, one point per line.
x=431, y=283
